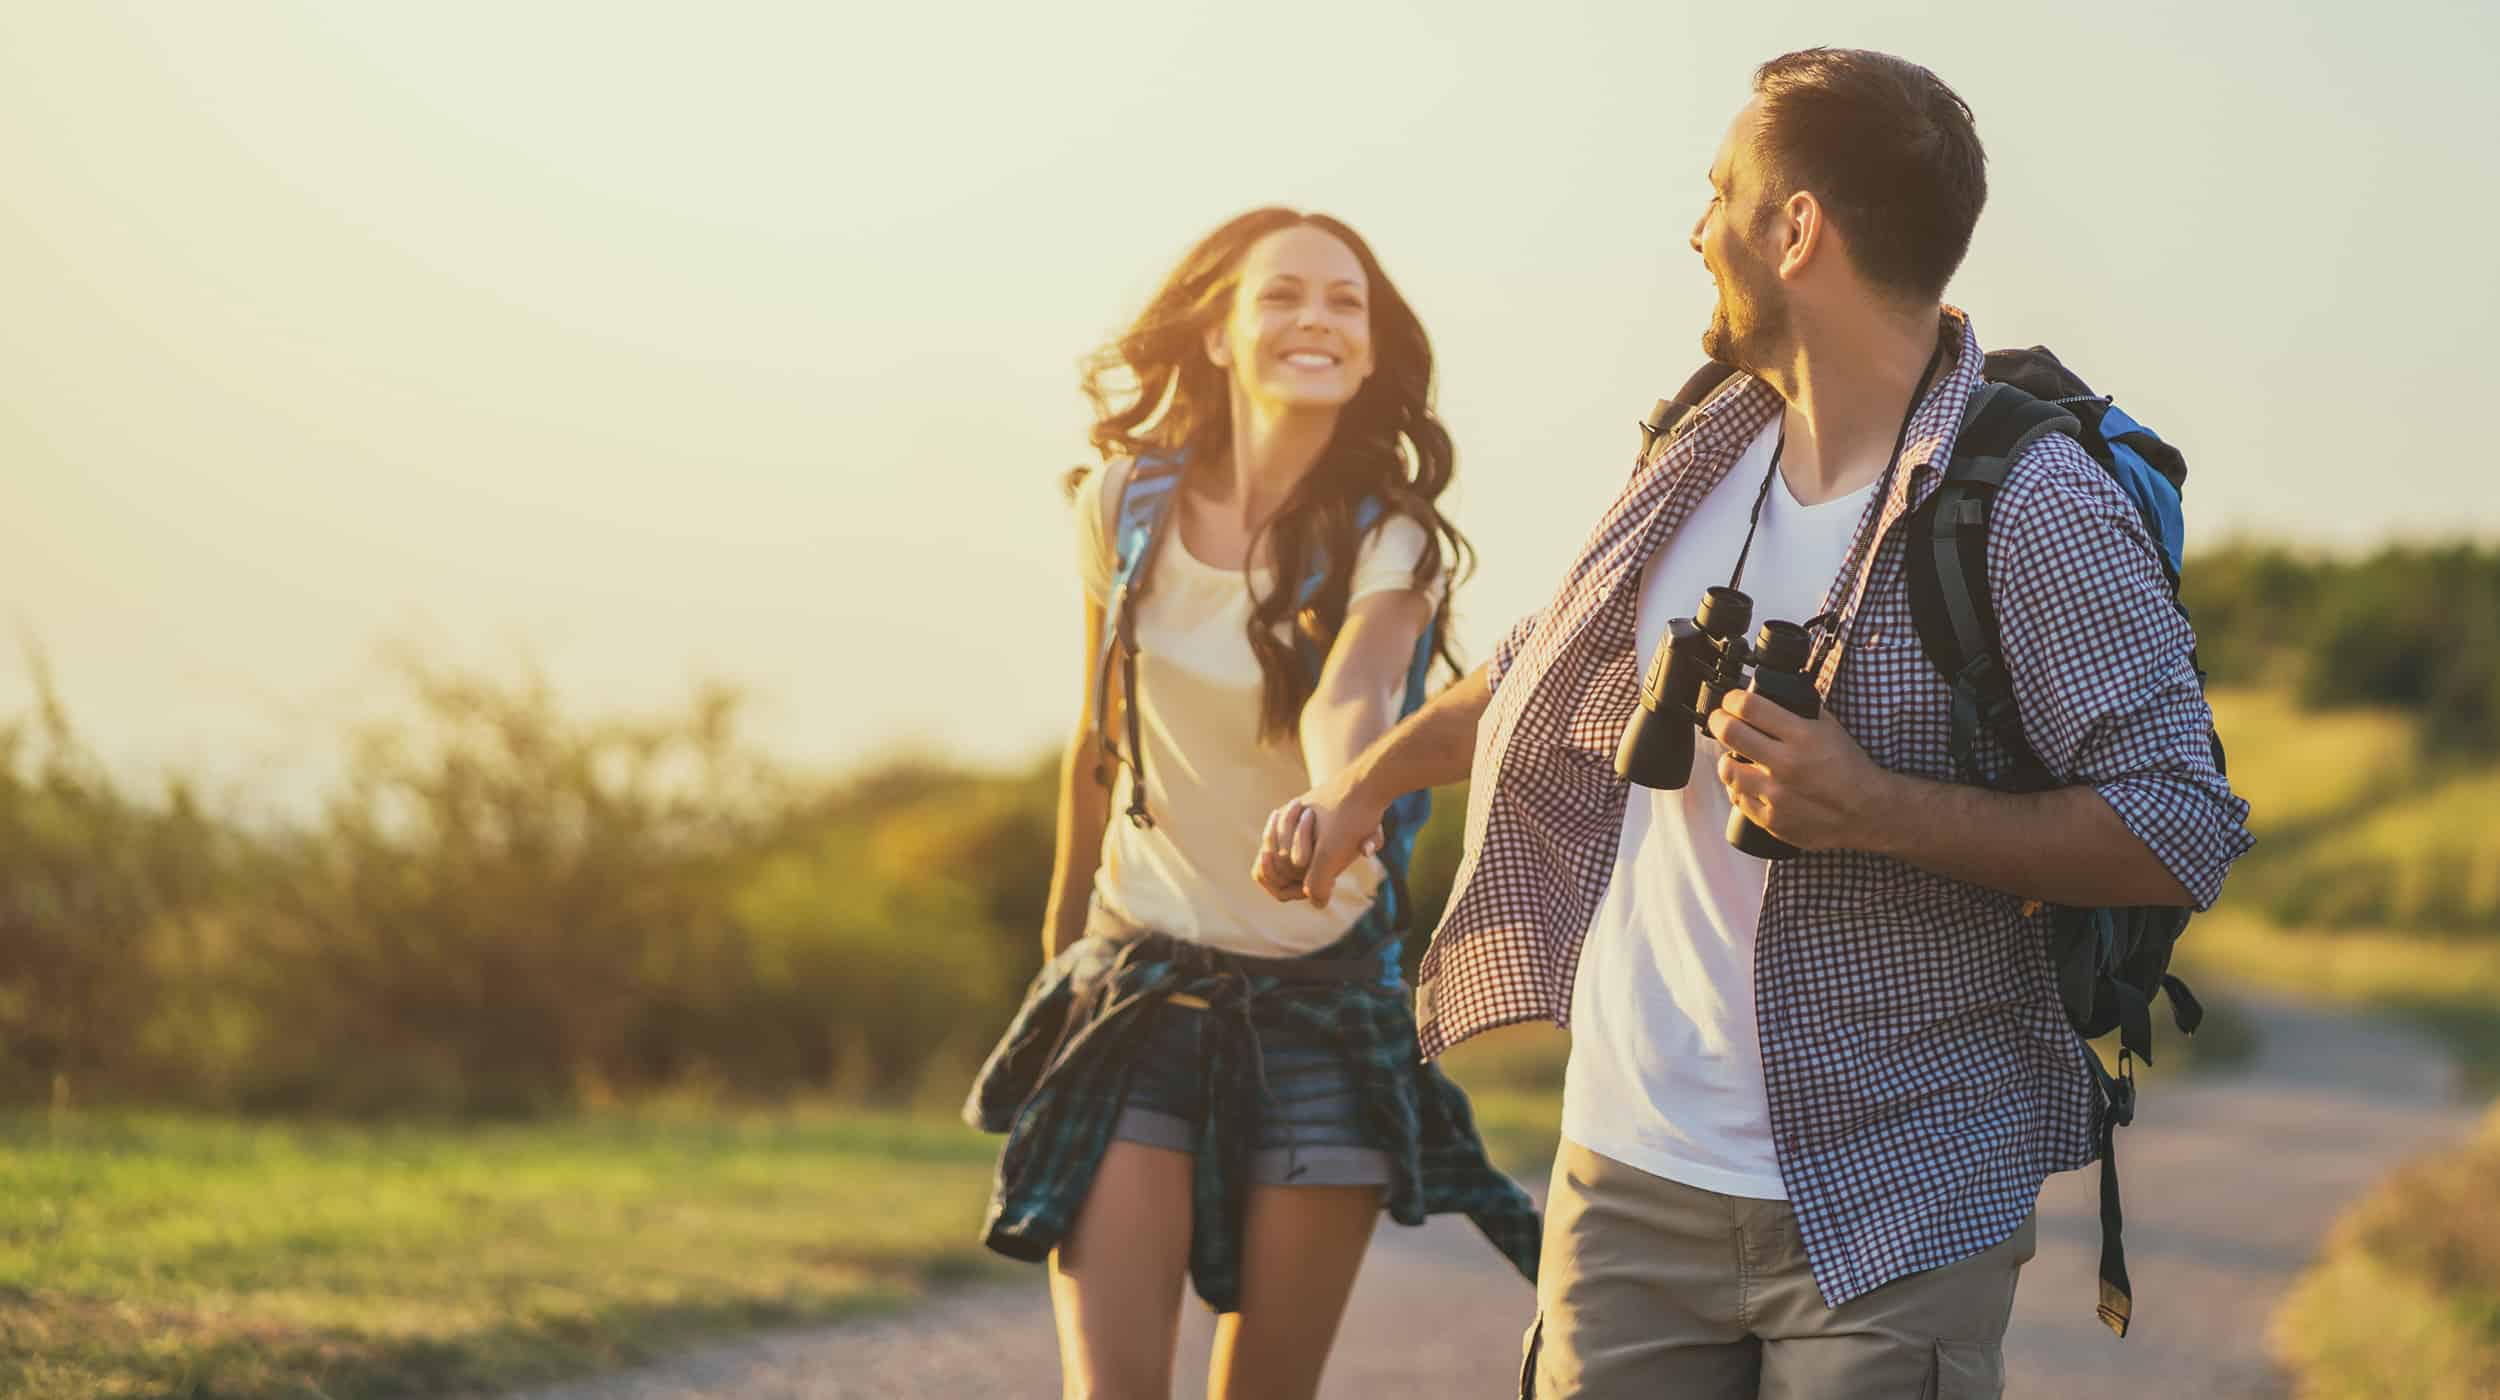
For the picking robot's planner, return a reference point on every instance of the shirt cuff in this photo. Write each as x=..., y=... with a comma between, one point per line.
x=2193, y=824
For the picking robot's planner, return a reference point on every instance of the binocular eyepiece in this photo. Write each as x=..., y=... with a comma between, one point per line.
x=1697, y=663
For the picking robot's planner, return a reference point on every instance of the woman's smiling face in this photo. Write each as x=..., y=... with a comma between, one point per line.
x=1299, y=332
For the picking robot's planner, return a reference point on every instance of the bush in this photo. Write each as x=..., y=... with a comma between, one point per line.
x=2415, y=627
x=2405, y=1297
x=101, y=901
x=508, y=909
x=490, y=912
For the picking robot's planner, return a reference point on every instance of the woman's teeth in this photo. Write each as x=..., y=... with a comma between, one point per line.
x=1311, y=359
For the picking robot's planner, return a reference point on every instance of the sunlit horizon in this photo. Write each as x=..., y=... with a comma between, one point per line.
x=653, y=347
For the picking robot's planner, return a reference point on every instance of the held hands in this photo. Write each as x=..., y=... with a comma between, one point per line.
x=1311, y=840
x=1809, y=783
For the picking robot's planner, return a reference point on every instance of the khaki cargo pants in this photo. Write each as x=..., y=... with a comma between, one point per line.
x=1651, y=1288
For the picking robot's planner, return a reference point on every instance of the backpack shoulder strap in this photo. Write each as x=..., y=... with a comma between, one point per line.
x=1145, y=500
x=1666, y=415
x=1948, y=560
x=1138, y=527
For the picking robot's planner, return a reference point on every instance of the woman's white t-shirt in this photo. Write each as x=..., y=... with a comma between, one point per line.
x=1210, y=782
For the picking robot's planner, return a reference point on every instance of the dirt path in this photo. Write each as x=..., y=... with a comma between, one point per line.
x=2230, y=1179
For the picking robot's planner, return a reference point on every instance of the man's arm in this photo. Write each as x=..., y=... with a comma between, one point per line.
x=2064, y=846
x=1312, y=839
x=1812, y=786
x=2106, y=686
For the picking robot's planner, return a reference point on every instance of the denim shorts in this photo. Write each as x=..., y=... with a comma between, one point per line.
x=1310, y=1130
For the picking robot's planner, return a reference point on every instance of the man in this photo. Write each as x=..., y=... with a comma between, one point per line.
x=1810, y=1103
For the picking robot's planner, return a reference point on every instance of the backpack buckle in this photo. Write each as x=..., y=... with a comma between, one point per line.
x=2122, y=1090
x=1984, y=674
x=1124, y=618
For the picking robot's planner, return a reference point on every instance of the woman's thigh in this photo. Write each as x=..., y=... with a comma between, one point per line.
x=1302, y=1247
x=1115, y=1284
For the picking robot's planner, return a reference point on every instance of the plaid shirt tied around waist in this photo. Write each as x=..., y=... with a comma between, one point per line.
x=1056, y=1081
x=1921, y=1075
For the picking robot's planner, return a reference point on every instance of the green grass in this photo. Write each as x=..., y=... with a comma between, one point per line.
x=2375, y=879
x=2357, y=828
x=175, y=1256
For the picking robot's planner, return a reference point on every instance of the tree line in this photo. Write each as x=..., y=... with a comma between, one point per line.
x=504, y=907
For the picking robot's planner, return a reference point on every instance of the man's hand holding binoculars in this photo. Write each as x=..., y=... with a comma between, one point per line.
x=1808, y=783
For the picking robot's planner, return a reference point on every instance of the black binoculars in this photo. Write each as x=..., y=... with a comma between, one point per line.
x=1697, y=663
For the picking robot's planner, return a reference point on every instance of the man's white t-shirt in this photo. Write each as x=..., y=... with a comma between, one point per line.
x=1666, y=1058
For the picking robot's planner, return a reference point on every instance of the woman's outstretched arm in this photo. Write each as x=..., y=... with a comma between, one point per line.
x=1360, y=764
x=1357, y=696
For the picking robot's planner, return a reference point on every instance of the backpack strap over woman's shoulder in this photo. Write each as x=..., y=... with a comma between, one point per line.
x=1144, y=501
x=1138, y=525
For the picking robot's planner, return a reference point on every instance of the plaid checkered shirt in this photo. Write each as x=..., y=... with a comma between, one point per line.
x=1921, y=1075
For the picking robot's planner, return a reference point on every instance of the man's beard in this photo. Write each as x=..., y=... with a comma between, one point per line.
x=1749, y=319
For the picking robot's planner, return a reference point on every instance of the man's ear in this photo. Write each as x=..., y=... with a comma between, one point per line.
x=1803, y=231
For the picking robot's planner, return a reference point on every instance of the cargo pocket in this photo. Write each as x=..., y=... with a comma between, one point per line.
x=1527, y=1362
x=1968, y=1371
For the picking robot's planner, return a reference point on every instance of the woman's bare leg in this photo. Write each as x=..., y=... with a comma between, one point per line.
x=1302, y=1247
x=1115, y=1283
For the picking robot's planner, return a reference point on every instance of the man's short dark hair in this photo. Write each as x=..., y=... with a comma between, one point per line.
x=1888, y=149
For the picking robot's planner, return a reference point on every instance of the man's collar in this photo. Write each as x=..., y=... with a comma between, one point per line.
x=1939, y=416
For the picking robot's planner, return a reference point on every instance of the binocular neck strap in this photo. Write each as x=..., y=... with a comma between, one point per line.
x=1926, y=378
x=1736, y=579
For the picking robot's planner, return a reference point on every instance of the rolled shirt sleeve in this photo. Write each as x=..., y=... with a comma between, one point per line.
x=2103, y=665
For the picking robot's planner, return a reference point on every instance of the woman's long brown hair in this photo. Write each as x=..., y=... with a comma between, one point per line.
x=1155, y=393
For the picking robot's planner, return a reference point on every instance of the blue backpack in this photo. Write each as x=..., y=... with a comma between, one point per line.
x=1144, y=519
x=2109, y=963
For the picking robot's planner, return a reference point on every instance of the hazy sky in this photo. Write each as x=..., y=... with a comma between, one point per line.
x=742, y=339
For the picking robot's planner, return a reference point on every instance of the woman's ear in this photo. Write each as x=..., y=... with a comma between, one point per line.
x=1219, y=354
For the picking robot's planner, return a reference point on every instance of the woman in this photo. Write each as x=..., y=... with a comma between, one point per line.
x=1202, y=1079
